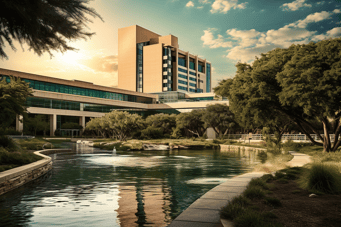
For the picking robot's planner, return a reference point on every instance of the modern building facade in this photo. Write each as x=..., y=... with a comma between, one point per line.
x=65, y=100
x=151, y=63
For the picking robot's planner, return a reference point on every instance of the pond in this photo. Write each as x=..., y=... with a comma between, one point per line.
x=93, y=187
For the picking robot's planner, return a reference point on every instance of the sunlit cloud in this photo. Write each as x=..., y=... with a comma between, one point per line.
x=244, y=45
x=295, y=5
x=311, y=18
x=204, y=1
x=190, y=4
x=223, y=6
x=209, y=40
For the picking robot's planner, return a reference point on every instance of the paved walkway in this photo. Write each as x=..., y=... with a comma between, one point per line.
x=204, y=212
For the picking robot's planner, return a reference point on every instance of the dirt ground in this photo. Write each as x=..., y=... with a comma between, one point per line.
x=300, y=210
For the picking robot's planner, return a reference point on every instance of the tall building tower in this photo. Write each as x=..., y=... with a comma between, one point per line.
x=151, y=63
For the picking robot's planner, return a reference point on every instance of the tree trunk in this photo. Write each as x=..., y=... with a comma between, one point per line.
x=326, y=139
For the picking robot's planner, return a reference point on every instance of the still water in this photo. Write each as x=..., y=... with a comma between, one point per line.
x=93, y=187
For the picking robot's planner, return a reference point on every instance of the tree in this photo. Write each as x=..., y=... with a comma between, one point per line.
x=119, y=124
x=13, y=96
x=37, y=123
x=219, y=117
x=44, y=25
x=190, y=122
x=301, y=84
x=164, y=121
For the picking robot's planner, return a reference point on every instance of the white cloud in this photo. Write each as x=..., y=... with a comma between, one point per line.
x=335, y=32
x=244, y=45
x=285, y=36
x=222, y=6
x=311, y=18
x=239, y=53
x=190, y=4
x=200, y=7
x=336, y=11
x=212, y=42
x=295, y=5
x=246, y=37
x=204, y=1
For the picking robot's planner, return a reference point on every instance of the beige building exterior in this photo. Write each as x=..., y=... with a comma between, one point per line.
x=151, y=63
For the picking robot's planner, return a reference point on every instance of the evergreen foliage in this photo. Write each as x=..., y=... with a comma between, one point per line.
x=301, y=85
x=43, y=25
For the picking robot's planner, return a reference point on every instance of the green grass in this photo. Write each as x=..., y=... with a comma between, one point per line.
x=254, y=192
x=9, y=160
x=323, y=178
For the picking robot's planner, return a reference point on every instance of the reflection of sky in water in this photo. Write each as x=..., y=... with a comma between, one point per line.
x=97, y=188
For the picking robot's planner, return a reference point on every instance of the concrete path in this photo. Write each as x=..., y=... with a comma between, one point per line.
x=204, y=212
x=299, y=159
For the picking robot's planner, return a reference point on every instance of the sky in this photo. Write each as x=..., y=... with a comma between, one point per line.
x=224, y=32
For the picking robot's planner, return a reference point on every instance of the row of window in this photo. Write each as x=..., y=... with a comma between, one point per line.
x=182, y=82
x=192, y=73
x=182, y=70
x=208, y=77
x=182, y=88
x=182, y=76
x=192, y=79
x=67, y=105
x=46, y=86
x=193, y=85
x=192, y=90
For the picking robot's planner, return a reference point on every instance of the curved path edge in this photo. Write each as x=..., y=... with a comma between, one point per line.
x=205, y=211
x=16, y=177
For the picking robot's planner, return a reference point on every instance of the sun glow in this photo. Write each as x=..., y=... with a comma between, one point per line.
x=71, y=57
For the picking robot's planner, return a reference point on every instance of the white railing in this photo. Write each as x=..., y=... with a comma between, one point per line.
x=299, y=137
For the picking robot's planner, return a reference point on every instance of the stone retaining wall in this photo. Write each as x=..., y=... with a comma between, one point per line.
x=241, y=148
x=21, y=175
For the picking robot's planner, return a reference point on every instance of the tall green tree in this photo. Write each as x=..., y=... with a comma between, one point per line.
x=301, y=84
x=12, y=100
x=43, y=25
x=219, y=117
x=190, y=123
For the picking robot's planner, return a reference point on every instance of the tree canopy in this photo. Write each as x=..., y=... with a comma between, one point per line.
x=301, y=84
x=118, y=124
x=43, y=25
x=12, y=100
x=219, y=117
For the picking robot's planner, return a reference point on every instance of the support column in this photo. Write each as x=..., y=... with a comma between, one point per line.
x=53, y=124
x=19, y=124
x=82, y=123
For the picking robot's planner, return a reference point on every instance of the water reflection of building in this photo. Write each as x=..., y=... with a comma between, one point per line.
x=143, y=205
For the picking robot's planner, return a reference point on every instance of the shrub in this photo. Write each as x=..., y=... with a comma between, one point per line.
x=152, y=133
x=322, y=178
x=231, y=211
x=235, y=207
x=254, y=192
x=258, y=182
x=8, y=143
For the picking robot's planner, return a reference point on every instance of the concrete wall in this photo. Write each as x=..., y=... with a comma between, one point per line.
x=14, y=178
x=152, y=68
x=128, y=37
x=242, y=148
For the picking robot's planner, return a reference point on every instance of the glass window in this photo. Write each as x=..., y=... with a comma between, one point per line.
x=182, y=62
